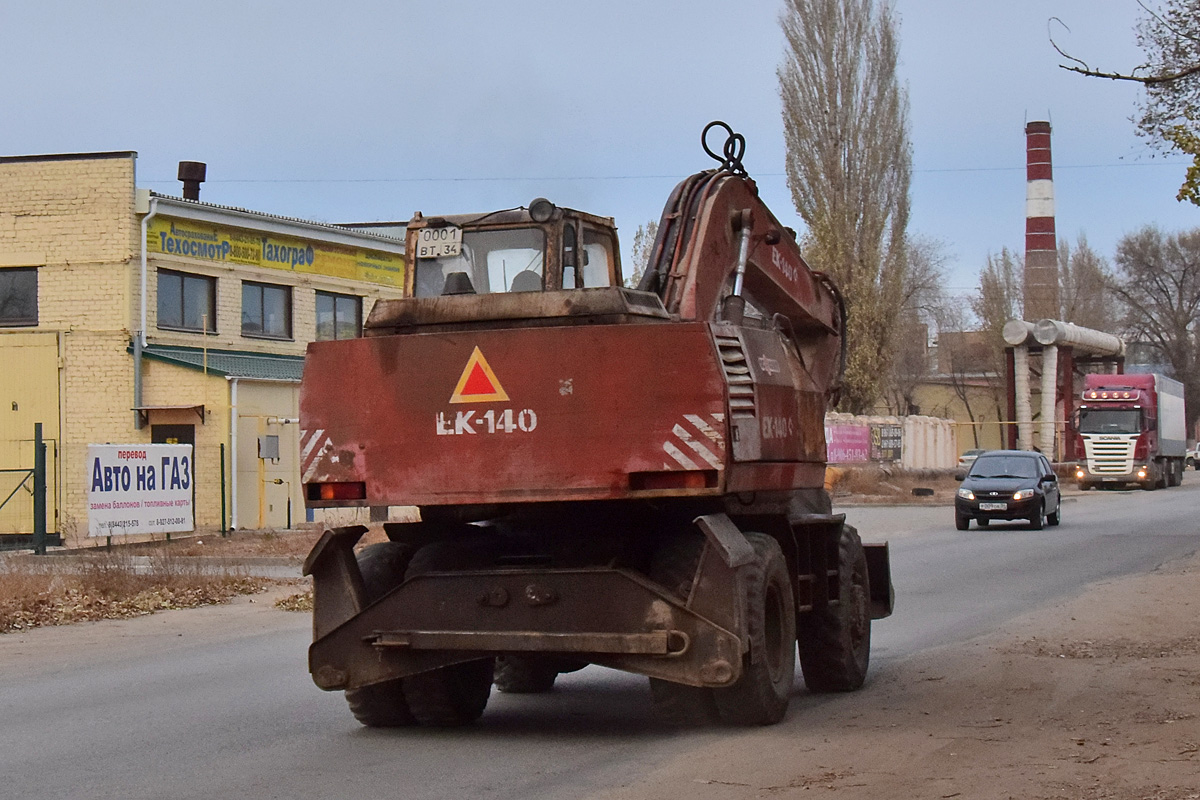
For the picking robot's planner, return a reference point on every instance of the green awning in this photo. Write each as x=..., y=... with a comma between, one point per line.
x=229, y=363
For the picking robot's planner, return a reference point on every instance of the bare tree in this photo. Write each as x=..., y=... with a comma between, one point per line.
x=1170, y=111
x=963, y=361
x=924, y=308
x=1157, y=281
x=998, y=299
x=849, y=167
x=643, y=243
x=1083, y=291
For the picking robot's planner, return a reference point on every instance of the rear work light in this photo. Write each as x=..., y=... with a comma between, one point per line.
x=351, y=490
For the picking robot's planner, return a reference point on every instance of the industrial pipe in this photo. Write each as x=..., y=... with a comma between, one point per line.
x=1087, y=340
x=1021, y=391
x=1049, y=399
x=1018, y=332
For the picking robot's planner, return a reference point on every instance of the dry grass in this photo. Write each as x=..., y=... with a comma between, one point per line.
x=110, y=585
x=875, y=484
x=258, y=544
x=296, y=602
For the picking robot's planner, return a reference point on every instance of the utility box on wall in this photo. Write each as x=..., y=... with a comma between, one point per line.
x=268, y=447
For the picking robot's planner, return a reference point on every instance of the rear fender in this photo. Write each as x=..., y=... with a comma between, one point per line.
x=879, y=573
x=338, y=593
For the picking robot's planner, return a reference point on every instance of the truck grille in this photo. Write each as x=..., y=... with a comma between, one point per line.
x=1110, y=457
x=737, y=375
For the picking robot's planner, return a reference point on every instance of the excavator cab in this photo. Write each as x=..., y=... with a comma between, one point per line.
x=539, y=248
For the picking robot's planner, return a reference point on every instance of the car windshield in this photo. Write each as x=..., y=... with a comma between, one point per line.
x=506, y=260
x=1004, y=467
x=1110, y=420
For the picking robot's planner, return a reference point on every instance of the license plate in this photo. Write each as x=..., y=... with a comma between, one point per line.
x=439, y=242
x=993, y=506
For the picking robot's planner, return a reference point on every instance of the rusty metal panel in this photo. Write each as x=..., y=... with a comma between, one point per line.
x=538, y=414
x=439, y=618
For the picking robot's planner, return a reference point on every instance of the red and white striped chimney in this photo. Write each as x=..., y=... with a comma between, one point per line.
x=1041, y=248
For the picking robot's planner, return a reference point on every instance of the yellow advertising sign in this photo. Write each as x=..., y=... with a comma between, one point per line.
x=233, y=246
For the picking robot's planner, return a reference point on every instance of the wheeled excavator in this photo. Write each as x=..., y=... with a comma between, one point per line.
x=632, y=478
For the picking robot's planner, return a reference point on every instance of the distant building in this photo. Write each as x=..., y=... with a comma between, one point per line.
x=955, y=380
x=128, y=316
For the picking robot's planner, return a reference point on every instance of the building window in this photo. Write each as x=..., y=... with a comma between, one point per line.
x=187, y=302
x=18, y=296
x=266, y=310
x=339, y=316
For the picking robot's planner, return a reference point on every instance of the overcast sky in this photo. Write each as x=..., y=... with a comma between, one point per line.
x=365, y=111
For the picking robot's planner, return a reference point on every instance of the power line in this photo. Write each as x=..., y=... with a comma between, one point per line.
x=501, y=179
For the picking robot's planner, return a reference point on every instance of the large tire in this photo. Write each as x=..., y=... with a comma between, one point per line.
x=519, y=674
x=456, y=694
x=673, y=565
x=450, y=696
x=761, y=694
x=383, y=567
x=680, y=704
x=381, y=705
x=835, y=641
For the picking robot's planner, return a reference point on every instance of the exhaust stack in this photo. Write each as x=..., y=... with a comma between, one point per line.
x=192, y=173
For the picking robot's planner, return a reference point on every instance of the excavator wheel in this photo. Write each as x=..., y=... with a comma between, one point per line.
x=456, y=694
x=381, y=705
x=518, y=674
x=835, y=641
x=673, y=565
x=761, y=694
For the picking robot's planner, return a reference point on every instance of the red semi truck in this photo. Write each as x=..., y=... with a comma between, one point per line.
x=1131, y=430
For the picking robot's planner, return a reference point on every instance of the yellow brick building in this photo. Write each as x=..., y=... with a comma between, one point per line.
x=132, y=317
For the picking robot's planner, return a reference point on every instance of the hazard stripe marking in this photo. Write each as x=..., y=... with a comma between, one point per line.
x=677, y=454
x=696, y=447
x=710, y=432
x=313, y=438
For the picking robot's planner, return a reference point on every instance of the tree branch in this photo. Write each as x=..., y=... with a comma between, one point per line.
x=1147, y=80
x=1085, y=69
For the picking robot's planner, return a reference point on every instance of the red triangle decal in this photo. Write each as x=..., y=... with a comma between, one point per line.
x=478, y=382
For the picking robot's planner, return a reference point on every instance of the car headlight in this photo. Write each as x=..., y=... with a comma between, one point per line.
x=966, y=494
x=1023, y=494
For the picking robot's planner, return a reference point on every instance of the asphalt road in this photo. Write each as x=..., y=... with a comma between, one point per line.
x=186, y=711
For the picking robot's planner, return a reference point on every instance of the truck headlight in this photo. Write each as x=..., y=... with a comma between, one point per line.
x=966, y=494
x=1023, y=494
x=1079, y=473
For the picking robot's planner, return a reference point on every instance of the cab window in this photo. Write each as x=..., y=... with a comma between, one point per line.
x=599, y=264
x=495, y=261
